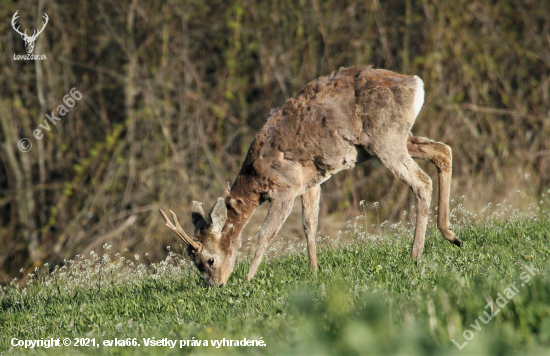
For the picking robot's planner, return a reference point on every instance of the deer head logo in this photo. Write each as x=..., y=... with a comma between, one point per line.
x=29, y=40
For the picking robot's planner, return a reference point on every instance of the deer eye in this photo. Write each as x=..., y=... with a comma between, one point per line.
x=210, y=262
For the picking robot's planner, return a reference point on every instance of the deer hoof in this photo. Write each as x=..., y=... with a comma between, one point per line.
x=457, y=242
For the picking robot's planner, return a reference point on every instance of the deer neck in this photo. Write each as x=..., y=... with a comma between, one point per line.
x=242, y=200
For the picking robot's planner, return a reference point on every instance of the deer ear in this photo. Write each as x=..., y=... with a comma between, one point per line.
x=197, y=213
x=227, y=189
x=218, y=216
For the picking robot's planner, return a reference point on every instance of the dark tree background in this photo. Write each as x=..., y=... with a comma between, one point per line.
x=174, y=91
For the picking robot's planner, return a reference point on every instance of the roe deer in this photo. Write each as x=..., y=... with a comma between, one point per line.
x=334, y=123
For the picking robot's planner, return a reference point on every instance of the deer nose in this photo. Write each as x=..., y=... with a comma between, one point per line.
x=214, y=282
x=211, y=283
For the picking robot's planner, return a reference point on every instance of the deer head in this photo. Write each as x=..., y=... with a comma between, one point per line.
x=205, y=248
x=29, y=40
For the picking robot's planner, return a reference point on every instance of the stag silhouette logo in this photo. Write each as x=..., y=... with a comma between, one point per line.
x=29, y=40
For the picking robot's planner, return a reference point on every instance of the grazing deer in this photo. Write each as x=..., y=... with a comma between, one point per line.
x=334, y=123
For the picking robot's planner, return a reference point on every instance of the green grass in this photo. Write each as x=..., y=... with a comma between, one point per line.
x=366, y=298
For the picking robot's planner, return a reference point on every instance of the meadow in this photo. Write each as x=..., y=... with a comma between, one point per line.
x=367, y=297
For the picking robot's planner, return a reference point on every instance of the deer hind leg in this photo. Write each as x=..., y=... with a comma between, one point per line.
x=310, y=218
x=441, y=156
x=398, y=160
x=281, y=207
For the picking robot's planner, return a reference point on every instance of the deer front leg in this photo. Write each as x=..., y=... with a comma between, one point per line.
x=276, y=216
x=310, y=218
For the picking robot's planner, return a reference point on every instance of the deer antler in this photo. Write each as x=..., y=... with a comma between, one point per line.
x=13, y=22
x=43, y=27
x=197, y=246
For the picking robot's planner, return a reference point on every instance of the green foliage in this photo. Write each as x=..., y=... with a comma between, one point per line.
x=366, y=298
x=174, y=92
